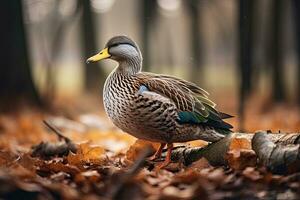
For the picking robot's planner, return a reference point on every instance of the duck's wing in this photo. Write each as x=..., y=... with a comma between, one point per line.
x=192, y=101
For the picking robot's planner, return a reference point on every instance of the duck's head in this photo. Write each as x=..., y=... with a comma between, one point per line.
x=120, y=49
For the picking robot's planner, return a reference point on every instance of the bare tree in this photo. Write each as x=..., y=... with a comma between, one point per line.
x=195, y=39
x=296, y=6
x=276, y=50
x=16, y=81
x=245, y=59
x=94, y=75
x=147, y=18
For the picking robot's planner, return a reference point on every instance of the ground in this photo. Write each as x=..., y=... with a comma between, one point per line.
x=109, y=164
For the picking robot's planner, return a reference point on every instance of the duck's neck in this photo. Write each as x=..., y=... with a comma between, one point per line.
x=130, y=66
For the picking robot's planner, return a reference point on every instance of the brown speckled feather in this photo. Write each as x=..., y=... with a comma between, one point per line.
x=186, y=95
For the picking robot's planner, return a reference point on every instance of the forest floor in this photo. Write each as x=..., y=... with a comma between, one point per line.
x=108, y=164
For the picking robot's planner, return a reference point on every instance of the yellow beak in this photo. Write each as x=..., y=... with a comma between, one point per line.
x=100, y=56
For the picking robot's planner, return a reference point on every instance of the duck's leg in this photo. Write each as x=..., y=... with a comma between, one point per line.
x=158, y=152
x=168, y=157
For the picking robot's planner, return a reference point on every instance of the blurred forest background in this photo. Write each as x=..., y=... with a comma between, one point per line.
x=246, y=53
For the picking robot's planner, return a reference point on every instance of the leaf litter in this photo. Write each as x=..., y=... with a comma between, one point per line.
x=76, y=164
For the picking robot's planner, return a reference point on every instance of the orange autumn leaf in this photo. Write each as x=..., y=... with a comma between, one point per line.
x=239, y=159
x=86, y=153
x=138, y=146
x=90, y=152
x=75, y=159
x=240, y=155
x=55, y=167
x=200, y=164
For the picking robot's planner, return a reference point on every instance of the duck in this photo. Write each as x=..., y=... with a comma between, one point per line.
x=156, y=107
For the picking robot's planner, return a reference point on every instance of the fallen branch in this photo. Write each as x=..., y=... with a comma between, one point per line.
x=279, y=158
x=215, y=152
x=278, y=138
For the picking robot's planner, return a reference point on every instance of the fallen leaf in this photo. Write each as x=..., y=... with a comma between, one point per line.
x=172, y=192
x=137, y=148
x=216, y=175
x=90, y=152
x=91, y=176
x=187, y=177
x=19, y=171
x=51, y=167
x=200, y=164
x=7, y=157
x=239, y=159
x=252, y=174
x=86, y=153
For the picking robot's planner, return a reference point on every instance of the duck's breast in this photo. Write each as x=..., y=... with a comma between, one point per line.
x=118, y=94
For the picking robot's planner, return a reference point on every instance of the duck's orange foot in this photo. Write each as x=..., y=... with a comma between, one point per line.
x=157, y=153
x=162, y=165
x=167, y=160
x=154, y=157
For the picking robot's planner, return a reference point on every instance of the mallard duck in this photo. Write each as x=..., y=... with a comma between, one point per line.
x=156, y=107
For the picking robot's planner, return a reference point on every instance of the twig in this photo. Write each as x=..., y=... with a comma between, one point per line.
x=47, y=150
x=56, y=131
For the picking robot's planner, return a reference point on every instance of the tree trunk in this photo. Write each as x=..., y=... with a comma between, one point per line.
x=296, y=6
x=276, y=58
x=245, y=62
x=94, y=75
x=16, y=82
x=195, y=40
x=147, y=18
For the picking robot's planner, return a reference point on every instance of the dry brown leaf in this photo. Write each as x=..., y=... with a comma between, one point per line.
x=7, y=157
x=200, y=164
x=27, y=162
x=172, y=192
x=191, y=185
x=75, y=159
x=60, y=176
x=55, y=167
x=216, y=175
x=161, y=179
x=90, y=153
x=186, y=177
x=137, y=148
x=86, y=153
x=19, y=171
x=91, y=176
x=239, y=159
x=252, y=174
